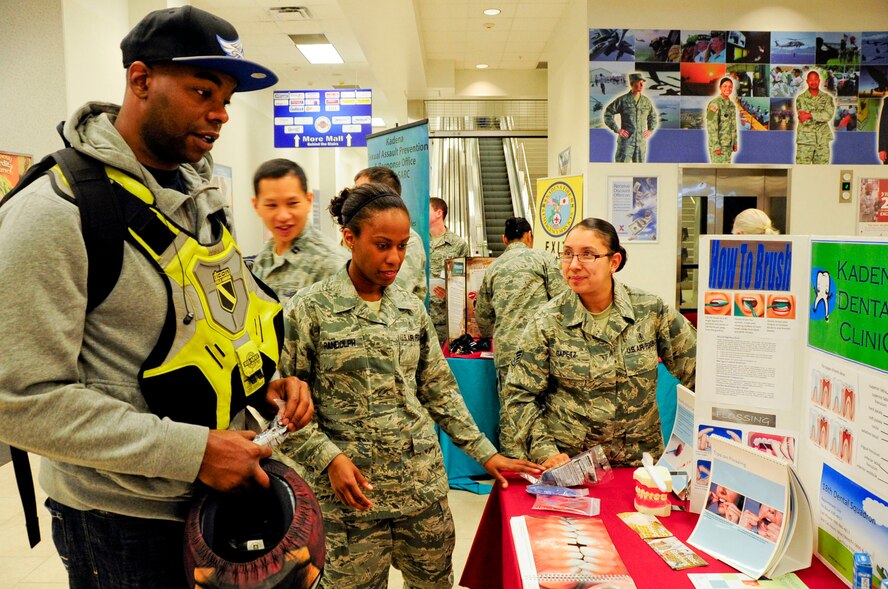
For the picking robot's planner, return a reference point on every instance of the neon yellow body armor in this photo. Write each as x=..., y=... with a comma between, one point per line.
x=221, y=339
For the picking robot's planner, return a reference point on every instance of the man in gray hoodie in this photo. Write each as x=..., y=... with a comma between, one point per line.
x=110, y=397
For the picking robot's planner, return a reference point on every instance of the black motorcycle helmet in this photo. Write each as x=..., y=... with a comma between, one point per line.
x=262, y=539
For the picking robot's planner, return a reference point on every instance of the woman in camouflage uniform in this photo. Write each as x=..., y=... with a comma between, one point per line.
x=369, y=352
x=585, y=372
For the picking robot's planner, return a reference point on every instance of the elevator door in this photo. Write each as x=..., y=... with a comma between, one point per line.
x=708, y=199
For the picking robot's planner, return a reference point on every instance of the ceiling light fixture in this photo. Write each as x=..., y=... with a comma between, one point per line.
x=377, y=122
x=492, y=11
x=482, y=66
x=317, y=49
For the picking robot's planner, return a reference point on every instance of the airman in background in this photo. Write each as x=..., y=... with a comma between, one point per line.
x=444, y=245
x=297, y=255
x=638, y=119
x=815, y=110
x=515, y=285
x=721, y=124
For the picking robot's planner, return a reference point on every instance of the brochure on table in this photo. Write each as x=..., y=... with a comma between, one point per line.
x=792, y=359
x=679, y=454
x=552, y=551
x=757, y=518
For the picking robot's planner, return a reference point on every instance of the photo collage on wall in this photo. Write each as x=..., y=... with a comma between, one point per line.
x=658, y=95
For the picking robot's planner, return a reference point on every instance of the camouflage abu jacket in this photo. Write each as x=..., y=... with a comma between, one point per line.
x=379, y=384
x=309, y=259
x=817, y=129
x=572, y=386
x=412, y=275
x=517, y=283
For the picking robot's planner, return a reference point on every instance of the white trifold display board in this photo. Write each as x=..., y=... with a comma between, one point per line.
x=792, y=359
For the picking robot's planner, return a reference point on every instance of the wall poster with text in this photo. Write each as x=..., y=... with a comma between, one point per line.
x=12, y=168
x=750, y=97
x=872, y=207
x=634, y=206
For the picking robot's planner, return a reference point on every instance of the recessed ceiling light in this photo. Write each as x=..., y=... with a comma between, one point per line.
x=316, y=48
x=316, y=54
x=492, y=11
x=482, y=66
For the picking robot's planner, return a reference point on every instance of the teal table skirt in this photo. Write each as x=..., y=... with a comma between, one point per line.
x=477, y=383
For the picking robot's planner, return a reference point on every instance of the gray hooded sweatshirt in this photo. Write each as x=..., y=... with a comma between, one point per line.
x=69, y=381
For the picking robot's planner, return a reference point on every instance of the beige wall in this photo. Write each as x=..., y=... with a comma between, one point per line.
x=32, y=83
x=814, y=204
x=57, y=55
x=501, y=84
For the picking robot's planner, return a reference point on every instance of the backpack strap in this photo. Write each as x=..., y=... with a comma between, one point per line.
x=103, y=234
x=25, y=483
x=101, y=221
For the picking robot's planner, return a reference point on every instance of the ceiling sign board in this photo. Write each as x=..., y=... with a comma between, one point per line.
x=322, y=118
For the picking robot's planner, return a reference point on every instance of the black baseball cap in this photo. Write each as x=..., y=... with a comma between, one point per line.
x=195, y=37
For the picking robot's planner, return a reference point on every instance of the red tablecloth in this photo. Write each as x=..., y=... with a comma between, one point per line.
x=492, y=563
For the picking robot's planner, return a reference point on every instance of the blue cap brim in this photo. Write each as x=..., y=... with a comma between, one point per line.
x=249, y=75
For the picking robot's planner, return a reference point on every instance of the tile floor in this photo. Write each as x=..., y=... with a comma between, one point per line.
x=40, y=568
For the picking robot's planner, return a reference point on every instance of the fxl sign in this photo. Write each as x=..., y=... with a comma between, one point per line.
x=322, y=118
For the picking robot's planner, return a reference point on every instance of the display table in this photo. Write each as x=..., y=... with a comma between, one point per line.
x=476, y=378
x=492, y=563
x=477, y=384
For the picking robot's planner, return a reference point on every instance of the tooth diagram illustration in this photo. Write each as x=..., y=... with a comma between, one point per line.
x=823, y=294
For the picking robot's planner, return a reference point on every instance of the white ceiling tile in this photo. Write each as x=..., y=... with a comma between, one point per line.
x=434, y=10
x=444, y=24
x=540, y=9
x=542, y=26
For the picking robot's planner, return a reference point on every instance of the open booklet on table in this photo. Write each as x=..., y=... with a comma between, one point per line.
x=678, y=457
x=756, y=518
x=577, y=552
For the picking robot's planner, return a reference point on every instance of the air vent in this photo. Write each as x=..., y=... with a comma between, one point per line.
x=290, y=13
x=542, y=65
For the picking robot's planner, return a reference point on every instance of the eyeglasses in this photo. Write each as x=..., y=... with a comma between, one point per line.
x=585, y=257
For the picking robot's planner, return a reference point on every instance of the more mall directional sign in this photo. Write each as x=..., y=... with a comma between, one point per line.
x=322, y=118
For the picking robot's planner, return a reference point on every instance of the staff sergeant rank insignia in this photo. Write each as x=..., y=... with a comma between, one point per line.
x=225, y=289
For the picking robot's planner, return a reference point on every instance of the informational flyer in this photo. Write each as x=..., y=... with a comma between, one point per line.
x=679, y=454
x=852, y=519
x=872, y=207
x=634, y=206
x=753, y=313
x=750, y=346
x=832, y=407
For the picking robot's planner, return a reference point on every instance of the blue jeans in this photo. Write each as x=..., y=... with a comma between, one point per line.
x=102, y=550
